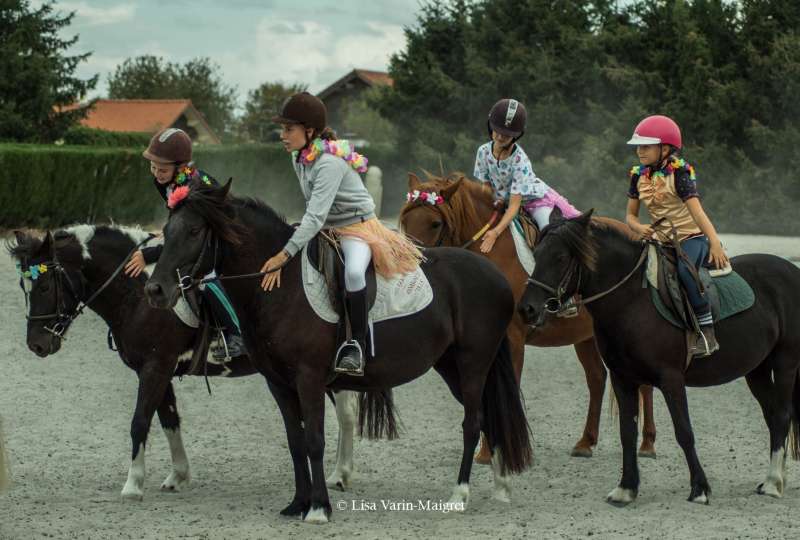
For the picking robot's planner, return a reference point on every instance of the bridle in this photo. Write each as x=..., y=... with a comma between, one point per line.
x=63, y=317
x=556, y=305
x=474, y=238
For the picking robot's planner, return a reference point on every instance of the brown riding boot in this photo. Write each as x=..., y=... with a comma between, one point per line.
x=705, y=343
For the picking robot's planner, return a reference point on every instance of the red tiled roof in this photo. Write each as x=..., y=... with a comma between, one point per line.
x=375, y=77
x=371, y=78
x=138, y=115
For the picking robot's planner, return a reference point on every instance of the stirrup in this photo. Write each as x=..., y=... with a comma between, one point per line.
x=358, y=371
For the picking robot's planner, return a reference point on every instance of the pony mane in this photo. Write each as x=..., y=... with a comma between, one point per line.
x=27, y=246
x=582, y=242
x=459, y=210
x=221, y=212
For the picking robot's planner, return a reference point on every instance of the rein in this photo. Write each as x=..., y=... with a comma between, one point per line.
x=556, y=305
x=64, y=320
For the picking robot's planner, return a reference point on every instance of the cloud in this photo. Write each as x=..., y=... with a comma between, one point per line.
x=98, y=16
x=309, y=52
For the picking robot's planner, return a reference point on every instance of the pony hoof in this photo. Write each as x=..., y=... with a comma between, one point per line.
x=460, y=498
x=770, y=489
x=650, y=454
x=296, y=509
x=175, y=483
x=502, y=495
x=317, y=516
x=338, y=481
x=621, y=497
x=582, y=452
x=700, y=499
x=132, y=495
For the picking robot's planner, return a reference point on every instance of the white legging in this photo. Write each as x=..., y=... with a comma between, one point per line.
x=541, y=215
x=357, y=255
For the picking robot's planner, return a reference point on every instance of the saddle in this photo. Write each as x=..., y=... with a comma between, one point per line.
x=671, y=292
x=325, y=256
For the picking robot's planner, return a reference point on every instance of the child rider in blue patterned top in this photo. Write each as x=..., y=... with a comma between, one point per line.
x=503, y=164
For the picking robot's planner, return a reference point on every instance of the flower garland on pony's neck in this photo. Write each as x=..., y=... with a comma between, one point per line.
x=674, y=164
x=342, y=149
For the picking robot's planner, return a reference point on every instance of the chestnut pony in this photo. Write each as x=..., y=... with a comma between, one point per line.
x=466, y=207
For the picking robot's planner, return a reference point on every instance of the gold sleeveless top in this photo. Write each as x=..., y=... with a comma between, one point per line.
x=659, y=194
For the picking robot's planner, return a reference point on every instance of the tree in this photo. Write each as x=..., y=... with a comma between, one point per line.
x=262, y=104
x=151, y=77
x=37, y=78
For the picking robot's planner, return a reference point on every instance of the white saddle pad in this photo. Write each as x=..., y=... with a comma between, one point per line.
x=524, y=253
x=397, y=297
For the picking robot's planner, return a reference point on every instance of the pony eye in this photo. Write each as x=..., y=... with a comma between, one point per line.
x=436, y=224
x=196, y=230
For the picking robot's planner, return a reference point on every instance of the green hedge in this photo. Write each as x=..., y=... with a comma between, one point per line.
x=81, y=135
x=49, y=186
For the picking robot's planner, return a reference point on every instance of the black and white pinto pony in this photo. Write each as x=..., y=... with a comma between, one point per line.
x=152, y=342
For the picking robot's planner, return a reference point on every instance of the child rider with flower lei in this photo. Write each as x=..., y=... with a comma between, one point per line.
x=170, y=156
x=666, y=184
x=336, y=198
x=503, y=164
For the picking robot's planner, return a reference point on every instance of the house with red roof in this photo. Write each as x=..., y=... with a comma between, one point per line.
x=347, y=90
x=150, y=116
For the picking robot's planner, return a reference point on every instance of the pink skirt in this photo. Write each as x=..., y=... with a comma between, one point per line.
x=552, y=199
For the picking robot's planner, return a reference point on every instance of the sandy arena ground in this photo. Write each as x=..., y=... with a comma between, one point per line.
x=67, y=419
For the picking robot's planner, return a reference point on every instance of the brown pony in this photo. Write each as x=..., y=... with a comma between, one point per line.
x=466, y=209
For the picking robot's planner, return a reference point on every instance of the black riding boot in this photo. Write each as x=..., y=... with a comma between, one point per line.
x=351, y=355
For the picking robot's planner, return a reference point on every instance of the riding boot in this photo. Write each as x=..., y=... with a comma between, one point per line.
x=351, y=355
x=705, y=342
x=235, y=345
x=225, y=316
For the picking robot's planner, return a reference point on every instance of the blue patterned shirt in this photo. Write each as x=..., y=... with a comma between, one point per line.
x=511, y=176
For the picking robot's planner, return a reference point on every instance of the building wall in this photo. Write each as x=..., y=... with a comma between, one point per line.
x=337, y=104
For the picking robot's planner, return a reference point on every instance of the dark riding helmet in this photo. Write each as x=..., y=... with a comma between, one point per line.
x=171, y=145
x=508, y=117
x=305, y=109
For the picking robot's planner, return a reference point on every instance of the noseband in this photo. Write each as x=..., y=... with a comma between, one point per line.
x=63, y=317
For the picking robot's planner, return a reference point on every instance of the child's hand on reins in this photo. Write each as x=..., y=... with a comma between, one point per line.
x=488, y=241
x=136, y=265
x=273, y=278
x=717, y=255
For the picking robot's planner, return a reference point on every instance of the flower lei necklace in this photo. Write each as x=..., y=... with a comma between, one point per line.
x=180, y=192
x=191, y=173
x=675, y=164
x=341, y=149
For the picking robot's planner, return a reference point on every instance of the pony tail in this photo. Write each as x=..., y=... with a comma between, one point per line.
x=327, y=134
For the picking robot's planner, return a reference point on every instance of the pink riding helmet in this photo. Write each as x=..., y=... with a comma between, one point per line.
x=657, y=129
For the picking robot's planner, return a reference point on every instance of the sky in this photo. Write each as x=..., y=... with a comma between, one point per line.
x=314, y=42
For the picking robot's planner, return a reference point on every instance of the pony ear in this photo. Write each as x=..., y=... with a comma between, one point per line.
x=451, y=189
x=586, y=218
x=413, y=182
x=227, y=187
x=48, y=246
x=20, y=237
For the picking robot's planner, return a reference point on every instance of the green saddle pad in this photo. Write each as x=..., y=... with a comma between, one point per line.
x=735, y=296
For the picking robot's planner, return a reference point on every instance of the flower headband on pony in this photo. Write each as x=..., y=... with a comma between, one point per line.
x=33, y=271
x=430, y=197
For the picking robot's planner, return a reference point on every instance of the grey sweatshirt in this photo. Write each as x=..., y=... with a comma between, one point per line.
x=335, y=197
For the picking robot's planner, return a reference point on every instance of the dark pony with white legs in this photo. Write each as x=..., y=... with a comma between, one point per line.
x=639, y=347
